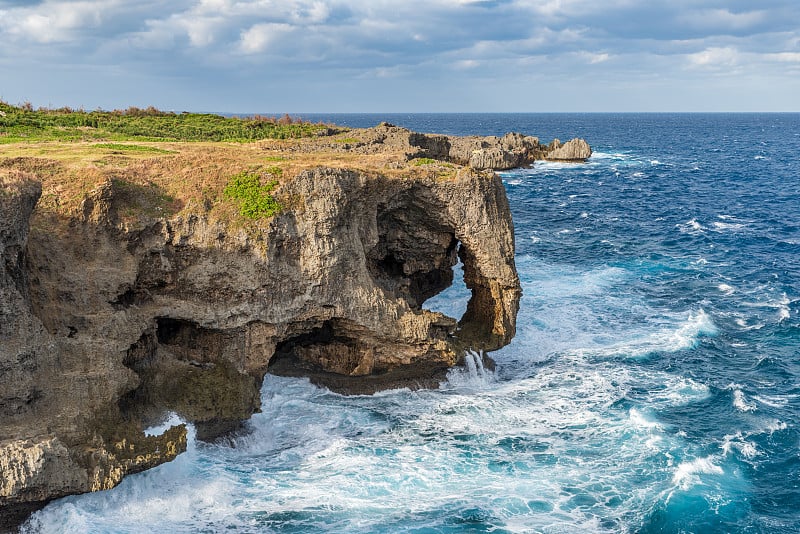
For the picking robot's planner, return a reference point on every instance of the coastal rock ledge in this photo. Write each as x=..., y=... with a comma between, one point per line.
x=110, y=319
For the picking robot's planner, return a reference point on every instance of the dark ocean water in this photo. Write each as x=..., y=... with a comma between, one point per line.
x=653, y=386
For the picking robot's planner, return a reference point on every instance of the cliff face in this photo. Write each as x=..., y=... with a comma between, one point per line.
x=105, y=328
x=115, y=312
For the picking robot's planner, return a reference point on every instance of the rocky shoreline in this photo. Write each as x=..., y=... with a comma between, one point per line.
x=112, y=315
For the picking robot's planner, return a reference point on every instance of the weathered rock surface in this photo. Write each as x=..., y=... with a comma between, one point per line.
x=574, y=150
x=107, y=327
x=109, y=323
x=480, y=153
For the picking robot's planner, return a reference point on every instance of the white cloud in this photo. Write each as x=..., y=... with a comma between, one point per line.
x=597, y=58
x=407, y=41
x=465, y=64
x=784, y=57
x=715, y=57
x=260, y=37
x=52, y=22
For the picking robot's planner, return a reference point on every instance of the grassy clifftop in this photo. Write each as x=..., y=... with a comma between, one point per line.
x=160, y=163
x=23, y=123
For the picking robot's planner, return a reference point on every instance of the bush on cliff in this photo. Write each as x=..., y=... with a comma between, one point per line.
x=254, y=199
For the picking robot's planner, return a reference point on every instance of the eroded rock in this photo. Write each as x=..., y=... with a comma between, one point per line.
x=480, y=153
x=106, y=327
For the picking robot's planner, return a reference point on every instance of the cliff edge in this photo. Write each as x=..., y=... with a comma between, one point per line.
x=131, y=288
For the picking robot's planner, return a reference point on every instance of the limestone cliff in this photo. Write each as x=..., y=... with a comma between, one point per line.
x=114, y=312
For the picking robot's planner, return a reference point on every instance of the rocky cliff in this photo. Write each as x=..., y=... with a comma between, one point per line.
x=115, y=312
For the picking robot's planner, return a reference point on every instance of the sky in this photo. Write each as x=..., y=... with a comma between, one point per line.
x=293, y=56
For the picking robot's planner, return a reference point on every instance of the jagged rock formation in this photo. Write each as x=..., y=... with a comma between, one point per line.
x=480, y=153
x=108, y=323
x=573, y=150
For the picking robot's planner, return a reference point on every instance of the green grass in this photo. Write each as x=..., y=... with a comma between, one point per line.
x=132, y=148
x=349, y=140
x=424, y=161
x=254, y=199
x=23, y=123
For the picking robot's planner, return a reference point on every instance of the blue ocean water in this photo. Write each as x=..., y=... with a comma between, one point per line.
x=653, y=386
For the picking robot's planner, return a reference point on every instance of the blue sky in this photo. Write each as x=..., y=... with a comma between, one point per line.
x=403, y=56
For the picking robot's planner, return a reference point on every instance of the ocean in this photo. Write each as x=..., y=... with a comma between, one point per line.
x=653, y=385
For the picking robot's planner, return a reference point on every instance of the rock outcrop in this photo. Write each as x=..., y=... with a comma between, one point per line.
x=573, y=150
x=109, y=321
x=480, y=153
x=105, y=328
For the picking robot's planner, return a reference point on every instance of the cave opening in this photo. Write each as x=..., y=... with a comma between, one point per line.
x=452, y=300
x=193, y=371
x=333, y=346
x=416, y=249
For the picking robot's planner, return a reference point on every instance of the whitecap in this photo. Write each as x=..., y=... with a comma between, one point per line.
x=610, y=155
x=742, y=323
x=687, y=473
x=783, y=308
x=738, y=442
x=726, y=289
x=638, y=419
x=740, y=402
x=690, y=227
x=774, y=401
x=723, y=226
x=678, y=391
x=670, y=340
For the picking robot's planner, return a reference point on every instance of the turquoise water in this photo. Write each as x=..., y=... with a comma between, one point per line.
x=653, y=386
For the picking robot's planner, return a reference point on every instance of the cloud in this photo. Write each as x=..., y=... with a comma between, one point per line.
x=715, y=57
x=258, y=38
x=417, y=41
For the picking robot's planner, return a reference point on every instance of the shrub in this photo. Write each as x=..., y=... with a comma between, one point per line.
x=254, y=199
x=23, y=123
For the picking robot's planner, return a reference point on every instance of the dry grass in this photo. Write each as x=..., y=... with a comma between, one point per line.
x=175, y=177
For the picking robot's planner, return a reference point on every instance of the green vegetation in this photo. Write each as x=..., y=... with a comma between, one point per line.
x=23, y=123
x=254, y=199
x=132, y=148
x=424, y=161
x=348, y=140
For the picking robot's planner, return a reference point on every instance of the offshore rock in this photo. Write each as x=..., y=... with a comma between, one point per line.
x=480, y=153
x=107, y=326
x=574, y=150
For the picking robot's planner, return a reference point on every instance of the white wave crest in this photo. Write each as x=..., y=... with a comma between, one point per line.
x=740, y=402
x=690, y=227
x=672, y=340
x=687, y=473
x=726, y=289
